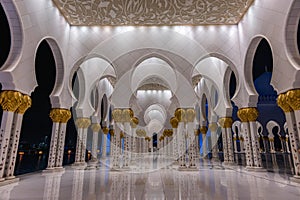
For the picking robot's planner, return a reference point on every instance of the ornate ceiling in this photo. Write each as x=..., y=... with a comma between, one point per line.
x=152, y=12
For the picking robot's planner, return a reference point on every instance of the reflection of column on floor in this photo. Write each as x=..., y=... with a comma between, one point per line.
x=52, y=185
x=6, y=191
x=18, y=104
x=77, y=186
x=92, y=185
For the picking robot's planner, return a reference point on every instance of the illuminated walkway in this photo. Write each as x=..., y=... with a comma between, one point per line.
x=161, y=184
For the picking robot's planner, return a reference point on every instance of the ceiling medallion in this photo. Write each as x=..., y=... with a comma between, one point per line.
x=152, y=12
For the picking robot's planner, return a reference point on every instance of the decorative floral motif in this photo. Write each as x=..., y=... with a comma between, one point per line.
x=153, y=12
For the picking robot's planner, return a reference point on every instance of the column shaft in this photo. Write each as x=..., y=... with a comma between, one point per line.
x=53, y=145
x=61, y=145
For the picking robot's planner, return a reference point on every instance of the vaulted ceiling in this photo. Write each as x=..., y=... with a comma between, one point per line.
x=152, y=12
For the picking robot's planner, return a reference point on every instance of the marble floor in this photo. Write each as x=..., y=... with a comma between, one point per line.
x=206, y=183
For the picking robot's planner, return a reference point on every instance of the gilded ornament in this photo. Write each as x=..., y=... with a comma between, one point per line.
x=283, y=103
x=105, y=130
x=95, y=127
x=180, y=115
x=293, y=99
x=134, y=122
x=242, y=115
x=26, y=103
x=55, y=115
x=10, y=100
x=190, y=115
x=203, y=129
x=225, y=122
x=111, y=132
x=174, y=122
x=248, y=114
x=197, y=132
x=117, y=115
x=122, y=135
x=83, y=122
x=127, y=114
x=213, y=126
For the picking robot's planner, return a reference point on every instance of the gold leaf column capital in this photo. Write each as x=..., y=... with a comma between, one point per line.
x=95, y=127
x=213, y=126
x=26, y=103
x=180, y=115
x=203, y=129
x=190, y=115
x=174, y=122
x=252, y=114
x=282, y=102
x=293, y=99
x=10, y=100
x=225, y=122
x=117, y=115
x=60, y=115
x=127, y=114
x=134, y=121
x=83, y=122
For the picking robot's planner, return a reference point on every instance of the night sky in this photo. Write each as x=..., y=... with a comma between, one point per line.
x=37, y=124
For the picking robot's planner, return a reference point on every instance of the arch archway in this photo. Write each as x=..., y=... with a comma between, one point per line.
x=5, y=39
x=37, y=125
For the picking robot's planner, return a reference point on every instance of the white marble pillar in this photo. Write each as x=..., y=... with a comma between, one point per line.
x=225, y=150
x=104, y=146
x=11, y=101
x=190, y=125
x=247, y=143
x=181, y=144
x=61, y=145
x=226, y=124
x=53, y=144
x=230, y=145
x=13, y=143
x=292, y=128
x=214, y=140
x=84, y=143
x=78, y=144
x=254, y=140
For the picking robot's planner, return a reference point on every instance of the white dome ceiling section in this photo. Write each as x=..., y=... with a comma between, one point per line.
x=155, y=117
x=154, y=67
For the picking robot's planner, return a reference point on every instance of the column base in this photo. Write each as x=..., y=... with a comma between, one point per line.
x=255, y=169
x=53, y=170
x=295, y=178
x=79, y=165
x=188, y=169
x=8, y=181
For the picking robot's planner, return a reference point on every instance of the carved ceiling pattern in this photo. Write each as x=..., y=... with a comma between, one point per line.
x=152, y=12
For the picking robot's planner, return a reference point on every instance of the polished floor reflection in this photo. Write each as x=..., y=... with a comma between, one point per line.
x=206, y=183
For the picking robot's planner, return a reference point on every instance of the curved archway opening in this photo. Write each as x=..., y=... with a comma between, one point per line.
x=298, y=36
x=5, y=38
x=37, y=125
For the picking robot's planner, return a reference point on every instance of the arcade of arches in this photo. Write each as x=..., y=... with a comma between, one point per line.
x=149, y=106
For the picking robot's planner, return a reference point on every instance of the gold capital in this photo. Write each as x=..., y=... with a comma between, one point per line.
x=203, y=129
x=106, y=130
x=10, y=100
x=174, y=122
x=26, y=103
x=127, y=114
x=60, y=115
x=134, y=122
x=111, y=132
x=190, y=115
x=117, y=115
x=95, y=127
x=180, y=115
x=283, y=103
x=293, y=99
x=225, y=122
x=248, y=114
x=83, y=122
x=213, y=126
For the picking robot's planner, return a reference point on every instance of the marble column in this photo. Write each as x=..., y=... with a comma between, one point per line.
x=285, y=101
x=226, y=123
x=203, y=131
x=180, y=115
x=248, y=118
x=174, y=124
x=190, y=125
x=15, y=136
x=214, y=140
x=94, y=153
x=10, y=101
x=105, y=131
x=82, y=124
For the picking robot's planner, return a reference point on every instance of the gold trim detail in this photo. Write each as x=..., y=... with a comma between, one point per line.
x=83, y=122
x=180, y=115
x=283, y=104
x=60, y=115
x=247, y=114
x=95, y=127
x=226, y=122
x=174, y=122
x=203, y=129
x=293, y=99
x=134, y=121
x=213, y=126
x=10, y=100
x=190, y=115
x=26, y=103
